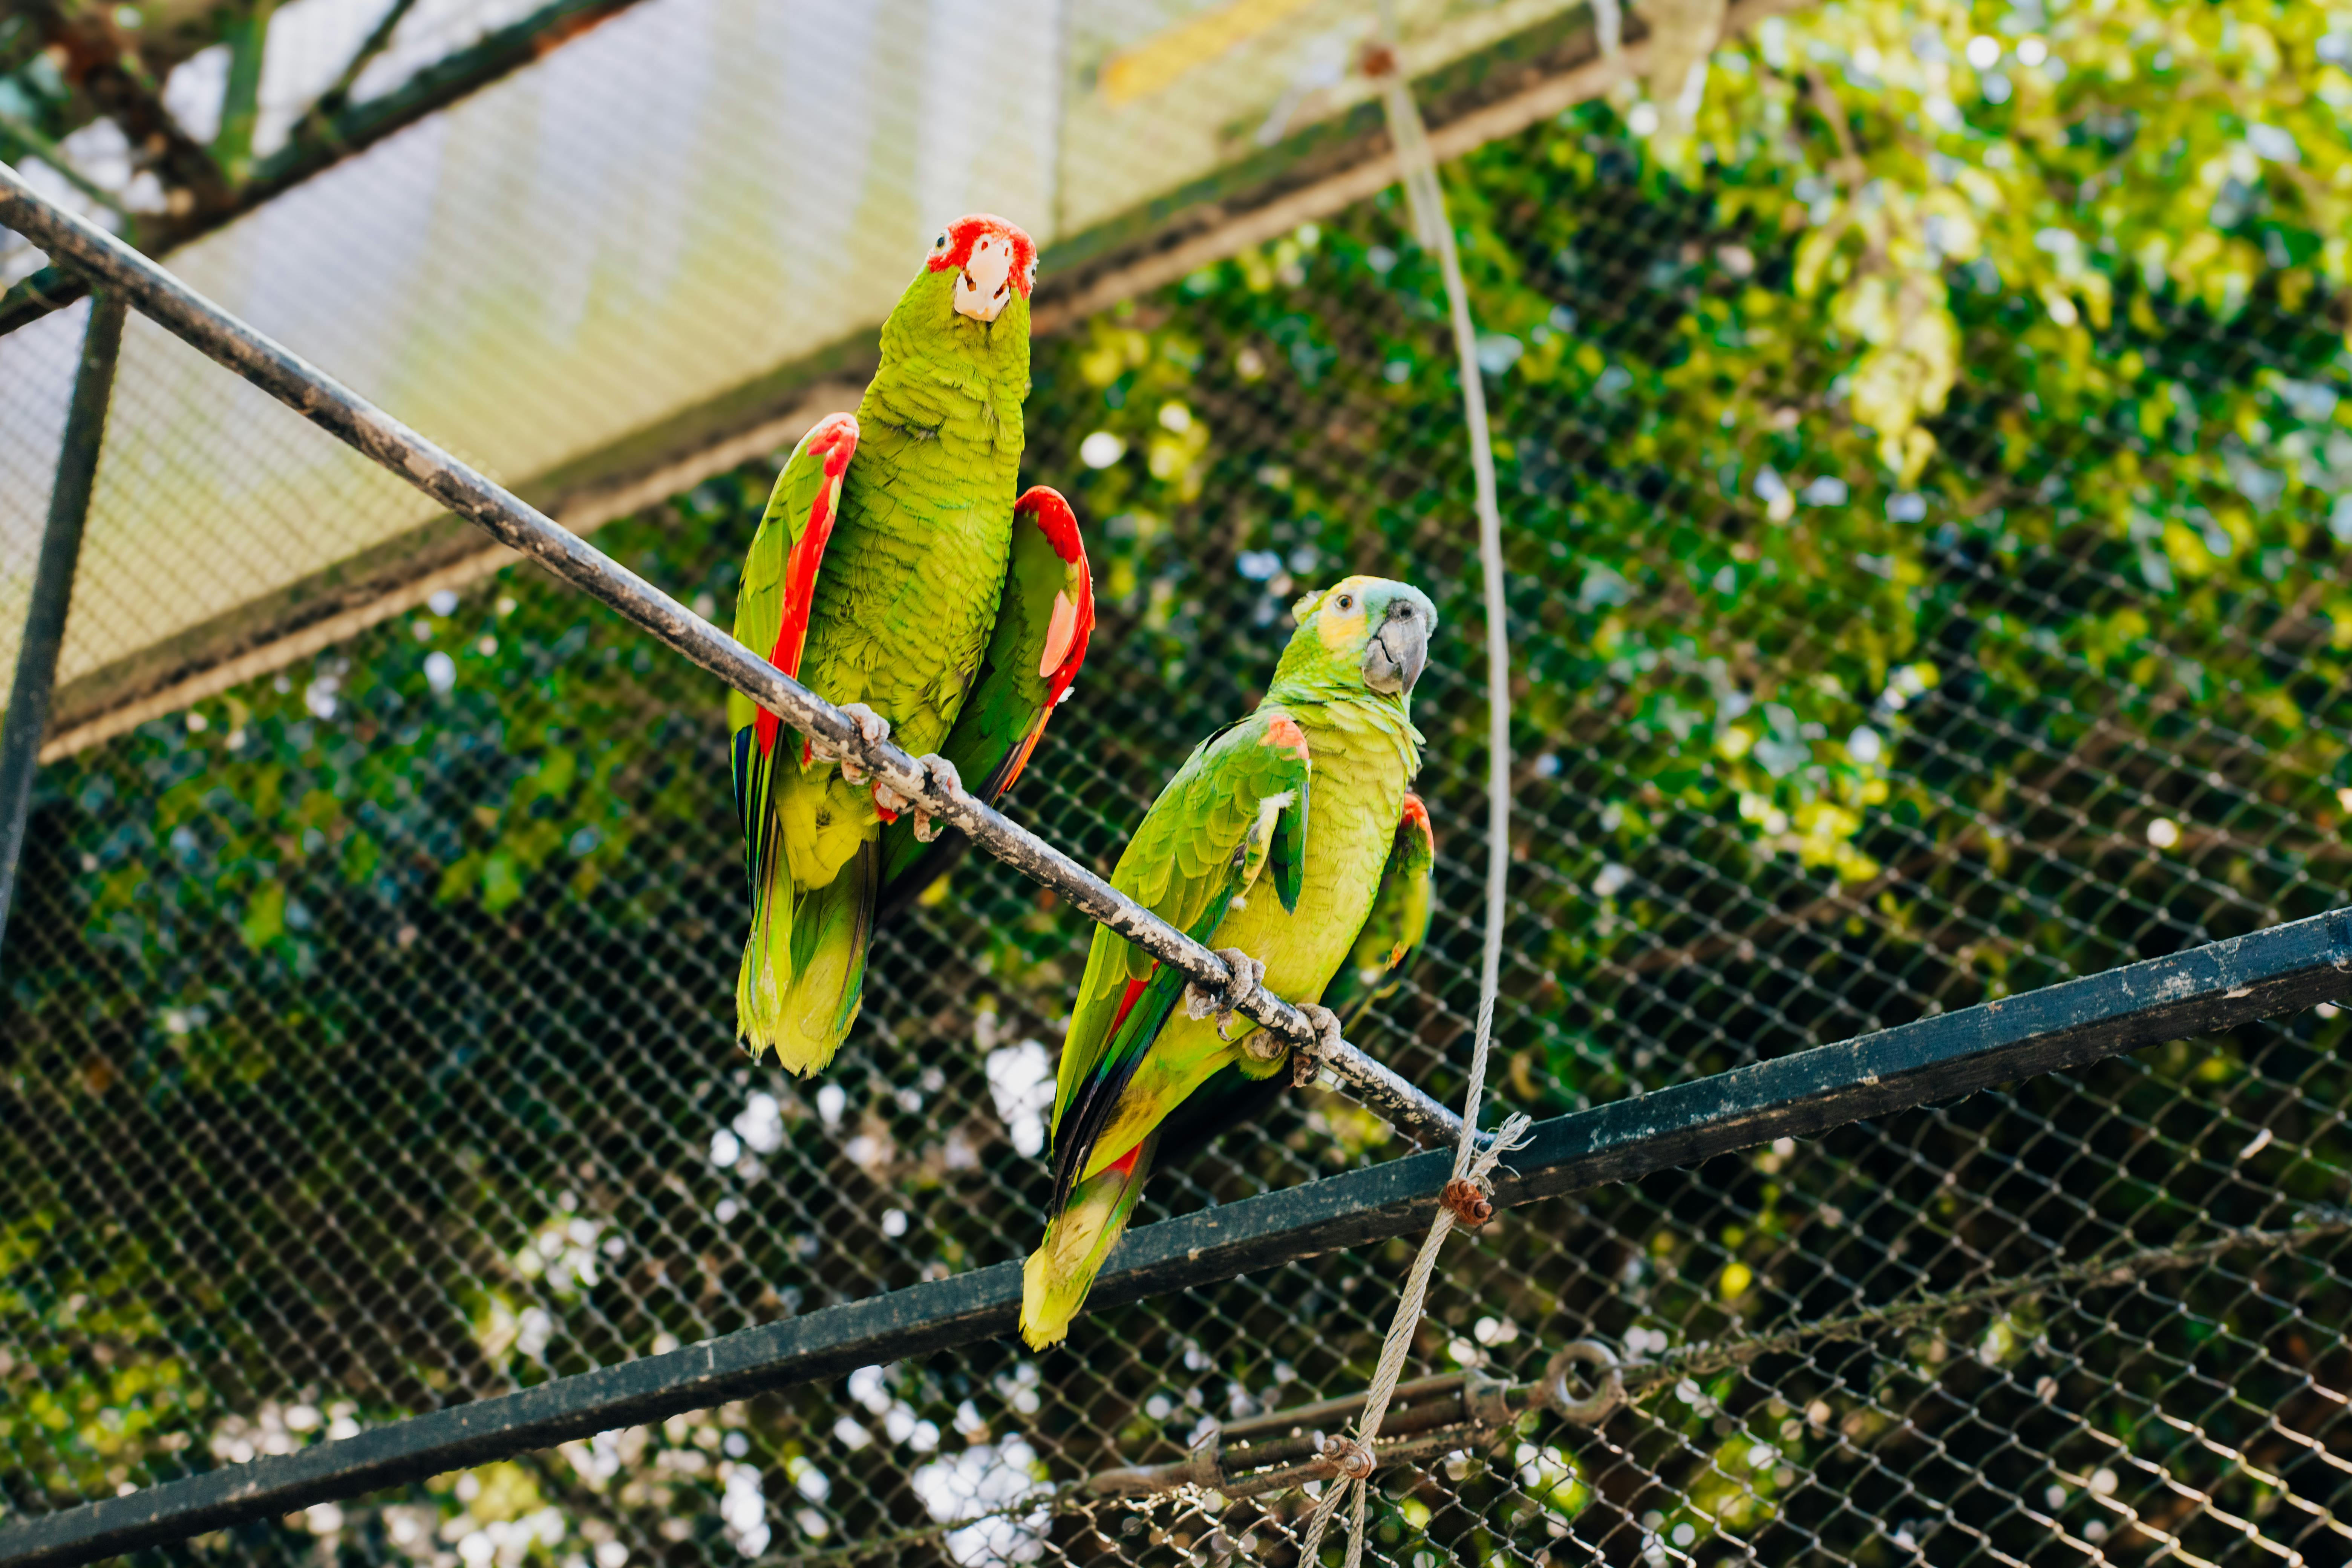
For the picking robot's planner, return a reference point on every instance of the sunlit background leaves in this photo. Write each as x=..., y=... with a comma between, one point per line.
x=1926, y=486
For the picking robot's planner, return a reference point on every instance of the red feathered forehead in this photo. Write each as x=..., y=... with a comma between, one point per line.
x=953, y=248
x=1417, y=815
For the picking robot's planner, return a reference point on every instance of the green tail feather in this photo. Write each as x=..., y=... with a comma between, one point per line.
x=803, y=973
x=765, y=976
x=1055, y=1282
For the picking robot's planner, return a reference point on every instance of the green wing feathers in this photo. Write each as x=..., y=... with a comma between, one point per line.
x=771, y=618
x=1236, y=809
x=1224, y=811
x=1399, y=923
x=1044, y=621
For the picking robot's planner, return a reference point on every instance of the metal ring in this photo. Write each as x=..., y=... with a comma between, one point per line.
x=1595, y=1408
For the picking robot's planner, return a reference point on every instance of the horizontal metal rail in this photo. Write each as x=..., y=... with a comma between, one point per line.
x=327, y=135
x=2065, y=1026
x=343, y=413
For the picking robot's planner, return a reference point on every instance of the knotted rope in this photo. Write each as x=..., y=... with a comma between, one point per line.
x=1468, y=1196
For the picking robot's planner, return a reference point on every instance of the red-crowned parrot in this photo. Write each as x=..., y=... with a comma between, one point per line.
x=883, y=562
x=1269, y=844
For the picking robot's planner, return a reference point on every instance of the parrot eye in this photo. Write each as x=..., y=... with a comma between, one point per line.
x=1347, y=602
x=941, y=243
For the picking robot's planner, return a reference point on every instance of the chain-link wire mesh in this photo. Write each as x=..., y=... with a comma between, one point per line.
x=1913, y=607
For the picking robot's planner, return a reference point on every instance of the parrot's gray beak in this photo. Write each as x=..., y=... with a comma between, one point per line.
x=1399, y=651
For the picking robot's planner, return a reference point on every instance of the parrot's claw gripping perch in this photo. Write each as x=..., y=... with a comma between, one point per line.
x=1306, y=1061
x=871, y=726
x=941, y=776
x=1247, y=971
x=944, y=779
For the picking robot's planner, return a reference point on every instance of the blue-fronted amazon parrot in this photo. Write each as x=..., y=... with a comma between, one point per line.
x=1269, y=845
x=878, y=576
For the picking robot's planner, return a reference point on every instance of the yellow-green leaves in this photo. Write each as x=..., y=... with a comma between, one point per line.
x=1908, y=368
x=265, y=914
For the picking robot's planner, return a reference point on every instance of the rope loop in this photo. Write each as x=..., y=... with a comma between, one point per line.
x=1594, y=1407
x=1465, y=1197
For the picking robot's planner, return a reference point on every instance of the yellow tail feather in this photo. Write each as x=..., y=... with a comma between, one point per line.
x=1055, y=1282
x=765, y=976
x=804, y=975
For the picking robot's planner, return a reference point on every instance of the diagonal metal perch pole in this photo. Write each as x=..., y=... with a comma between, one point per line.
x=1797, y=1095
x=343, y=413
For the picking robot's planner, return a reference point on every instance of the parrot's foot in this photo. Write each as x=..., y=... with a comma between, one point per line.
x=874, y=729
x=1306, y=1061
x=944, y=781
x=940, y=776
x=1247, y=973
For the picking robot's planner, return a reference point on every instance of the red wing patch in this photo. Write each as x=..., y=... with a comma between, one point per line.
x=1126, y=1005
x=1043, y=505
x=1283, y=733
x=1125, y=1165
x=1074, y=612
x=834, y=442
x=1416, y=815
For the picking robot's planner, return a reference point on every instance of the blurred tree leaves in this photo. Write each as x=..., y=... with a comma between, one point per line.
x=1927, y=488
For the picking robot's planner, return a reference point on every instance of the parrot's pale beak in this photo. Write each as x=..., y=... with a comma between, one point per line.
x=986, y=283
x=1399, y=651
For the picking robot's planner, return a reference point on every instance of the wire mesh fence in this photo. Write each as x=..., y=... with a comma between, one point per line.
x=1906, y=617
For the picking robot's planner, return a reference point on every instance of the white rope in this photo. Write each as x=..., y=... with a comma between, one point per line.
x=1418, y=164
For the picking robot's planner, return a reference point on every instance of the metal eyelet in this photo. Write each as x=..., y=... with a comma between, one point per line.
x=1595, y=1407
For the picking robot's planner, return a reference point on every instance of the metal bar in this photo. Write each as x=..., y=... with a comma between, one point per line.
x=1433, y=1414
x=53, y=582
x=343, y=413
x=1331, y=1413
x=321, y=142
x=28, y=137
x=1809, y=1092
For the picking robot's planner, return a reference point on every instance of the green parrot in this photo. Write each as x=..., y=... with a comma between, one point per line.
x=1309, y=795
x=884, y=564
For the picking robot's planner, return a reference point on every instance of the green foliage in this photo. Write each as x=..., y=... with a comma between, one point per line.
x=1926, y=492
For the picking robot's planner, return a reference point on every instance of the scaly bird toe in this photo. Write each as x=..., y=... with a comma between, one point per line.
x=944, y=781
x=1306, y=1061
x=1247, y=973
x=872, y=728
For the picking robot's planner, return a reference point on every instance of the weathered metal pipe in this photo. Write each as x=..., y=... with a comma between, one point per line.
x=505, y=517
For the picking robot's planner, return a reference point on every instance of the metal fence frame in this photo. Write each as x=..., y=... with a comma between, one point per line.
x=2277, y=969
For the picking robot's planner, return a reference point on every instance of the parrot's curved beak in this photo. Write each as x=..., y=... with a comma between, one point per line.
x=1399, y=651
x=986, y=283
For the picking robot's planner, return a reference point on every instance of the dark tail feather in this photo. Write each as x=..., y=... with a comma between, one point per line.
x=1091, y=1111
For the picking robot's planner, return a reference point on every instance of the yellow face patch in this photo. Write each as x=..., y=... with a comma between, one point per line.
x=1340, y=621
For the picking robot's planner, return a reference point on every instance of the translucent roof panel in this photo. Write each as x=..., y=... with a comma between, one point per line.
x=694, y=198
